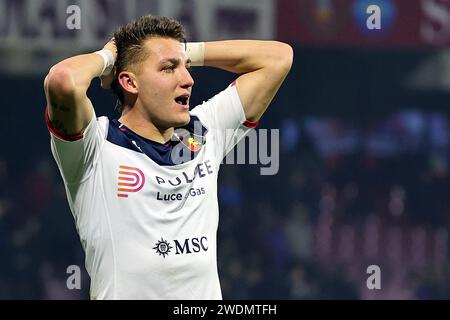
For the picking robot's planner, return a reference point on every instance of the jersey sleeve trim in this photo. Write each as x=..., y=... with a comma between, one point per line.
x=246, y=123
x=61, y=136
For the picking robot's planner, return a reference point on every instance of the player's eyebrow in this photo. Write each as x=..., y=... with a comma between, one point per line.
x=174, y=61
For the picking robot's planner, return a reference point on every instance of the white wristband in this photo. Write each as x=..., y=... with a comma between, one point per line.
x=108, y=60
x=196, y=52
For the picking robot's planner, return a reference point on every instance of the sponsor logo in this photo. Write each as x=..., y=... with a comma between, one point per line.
x=201, y=170
x=130, y=180
x=193, y=192
x=162, y=247
x=182, y=247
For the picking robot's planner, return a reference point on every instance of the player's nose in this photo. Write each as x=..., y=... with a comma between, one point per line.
x=186, y=79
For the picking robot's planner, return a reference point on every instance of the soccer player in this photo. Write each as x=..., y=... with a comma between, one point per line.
x=143, y=188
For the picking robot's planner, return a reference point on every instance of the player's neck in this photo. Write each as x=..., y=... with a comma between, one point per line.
x=139, y=124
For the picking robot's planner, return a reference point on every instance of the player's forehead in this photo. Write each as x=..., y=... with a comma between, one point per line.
x=163, y=49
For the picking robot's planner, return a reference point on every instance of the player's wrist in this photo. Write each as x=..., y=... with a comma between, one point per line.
x=108, y=61
x=196, y=52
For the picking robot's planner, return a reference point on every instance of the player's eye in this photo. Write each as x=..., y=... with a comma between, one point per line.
x=168, y=68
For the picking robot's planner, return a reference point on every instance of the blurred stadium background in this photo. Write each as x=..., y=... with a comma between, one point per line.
x=364, y=148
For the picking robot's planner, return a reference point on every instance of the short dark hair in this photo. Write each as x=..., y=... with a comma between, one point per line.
x=129, y=40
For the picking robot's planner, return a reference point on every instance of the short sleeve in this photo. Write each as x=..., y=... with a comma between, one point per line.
x=224, y=117
x=76, y=156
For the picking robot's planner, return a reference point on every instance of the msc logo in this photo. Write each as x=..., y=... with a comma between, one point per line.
x=162, y=247
x=186, y=246
x=134, y=178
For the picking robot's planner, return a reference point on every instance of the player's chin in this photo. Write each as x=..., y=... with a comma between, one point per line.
x=182, y=119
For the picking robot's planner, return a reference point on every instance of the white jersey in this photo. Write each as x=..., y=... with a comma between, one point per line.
x=148, y=224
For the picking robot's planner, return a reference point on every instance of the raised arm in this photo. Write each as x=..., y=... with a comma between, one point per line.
x=69, y=108
x=263, y=66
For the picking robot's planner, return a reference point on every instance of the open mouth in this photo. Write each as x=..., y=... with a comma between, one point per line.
x=182, y=100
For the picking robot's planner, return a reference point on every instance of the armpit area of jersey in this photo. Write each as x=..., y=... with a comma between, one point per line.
x=184, y=146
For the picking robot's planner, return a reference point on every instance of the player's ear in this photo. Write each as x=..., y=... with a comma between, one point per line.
x=128, y=82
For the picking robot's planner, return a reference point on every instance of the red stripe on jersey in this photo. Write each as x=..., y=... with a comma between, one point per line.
x=233, y=83
x=60, y=135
